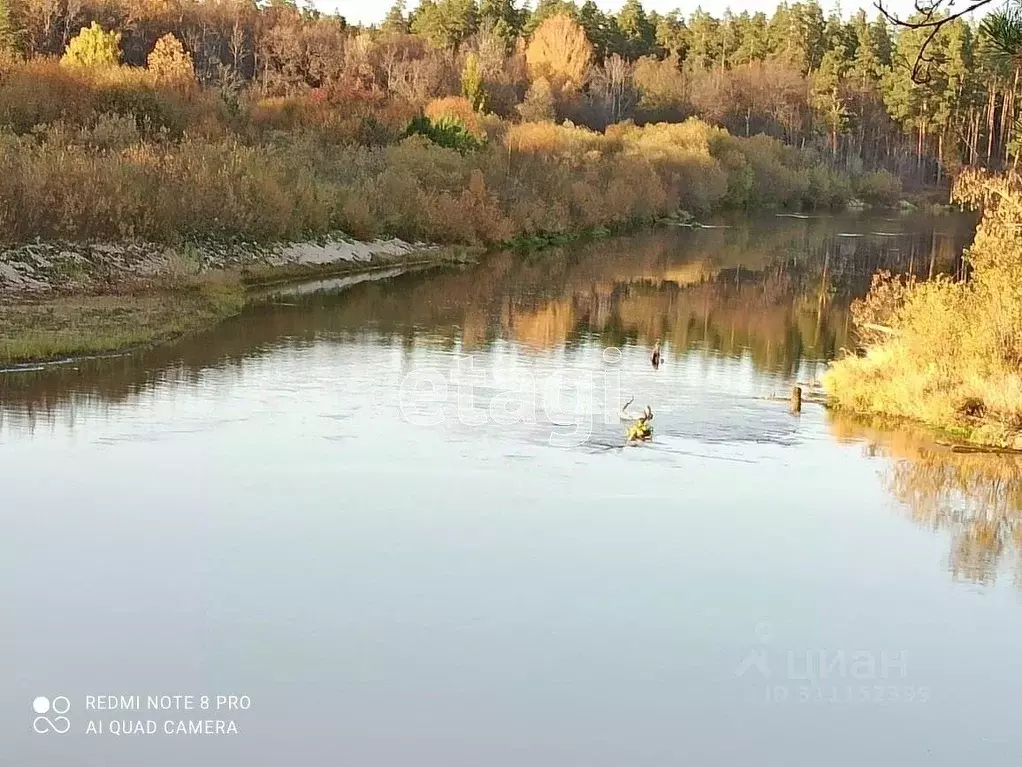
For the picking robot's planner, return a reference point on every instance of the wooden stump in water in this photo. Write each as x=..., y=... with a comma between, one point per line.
x=796, y=399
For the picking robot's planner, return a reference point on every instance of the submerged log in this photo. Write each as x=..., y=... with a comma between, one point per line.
x=957, y=447
x=880, y=329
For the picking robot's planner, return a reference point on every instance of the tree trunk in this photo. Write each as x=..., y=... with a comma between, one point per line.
x=991, y=97
x=940, y=155
x=973, y=151
x=1008, y=116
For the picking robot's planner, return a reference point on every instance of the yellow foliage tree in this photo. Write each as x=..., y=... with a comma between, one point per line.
x=560, y=52
x=93, y=46
x=170, y=62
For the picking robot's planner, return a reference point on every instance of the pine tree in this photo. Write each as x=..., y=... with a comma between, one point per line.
x=602, y=31
x=395, y=22
x=704, y=33
x=500, y=17
x=472, y=83
x=10, y=30
x=445, y=23
x=639, y=34
x=673, y=35
x=796, y=35
x=872, y=50
x=826, y=94
x=753, y=44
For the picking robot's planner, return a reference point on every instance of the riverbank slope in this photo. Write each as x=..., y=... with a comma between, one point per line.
x=947, y=352
x=64, y=300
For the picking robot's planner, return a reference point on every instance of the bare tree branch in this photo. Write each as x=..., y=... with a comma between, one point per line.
x=932, y=15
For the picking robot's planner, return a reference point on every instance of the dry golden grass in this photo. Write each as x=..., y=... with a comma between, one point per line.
x=951, y=354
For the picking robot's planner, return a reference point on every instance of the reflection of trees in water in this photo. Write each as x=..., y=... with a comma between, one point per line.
x=767, y=316
x=778, y=293
x=975, y=497
x=776, y=290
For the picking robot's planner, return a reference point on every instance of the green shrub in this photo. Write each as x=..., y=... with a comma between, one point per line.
x=446, y=131
x=878, y=188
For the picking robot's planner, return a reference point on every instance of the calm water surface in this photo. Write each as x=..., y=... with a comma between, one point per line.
x=399, y=517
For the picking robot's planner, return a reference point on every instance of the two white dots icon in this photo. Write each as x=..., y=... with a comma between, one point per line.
x=50, y=714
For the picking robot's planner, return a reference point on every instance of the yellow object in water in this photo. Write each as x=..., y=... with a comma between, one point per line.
x=640, y=430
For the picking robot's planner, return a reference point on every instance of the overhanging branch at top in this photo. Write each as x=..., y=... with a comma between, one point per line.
x=932, y=15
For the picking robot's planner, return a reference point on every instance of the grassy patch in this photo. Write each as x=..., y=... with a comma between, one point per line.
x=80, y=326
x=68, y=327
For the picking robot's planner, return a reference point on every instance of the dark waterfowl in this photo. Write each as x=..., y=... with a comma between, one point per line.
x=655, y=359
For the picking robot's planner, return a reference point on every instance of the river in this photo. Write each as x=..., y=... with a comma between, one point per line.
x=397, y=520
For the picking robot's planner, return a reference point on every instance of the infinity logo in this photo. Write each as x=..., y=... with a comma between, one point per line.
x=44, y=706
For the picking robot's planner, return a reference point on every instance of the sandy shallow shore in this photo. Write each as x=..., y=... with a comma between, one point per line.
x=41, y=270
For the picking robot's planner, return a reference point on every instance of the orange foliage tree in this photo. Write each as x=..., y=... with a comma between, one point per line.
x=170, y=62
x=560, y=52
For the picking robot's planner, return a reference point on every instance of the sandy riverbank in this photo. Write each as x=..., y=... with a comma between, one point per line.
x=59, y=301
x=42, y=270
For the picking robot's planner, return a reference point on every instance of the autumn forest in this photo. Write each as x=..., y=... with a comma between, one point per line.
x=465, y=121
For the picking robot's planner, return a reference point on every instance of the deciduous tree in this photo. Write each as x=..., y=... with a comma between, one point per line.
x=170, y=62
x=560, y=52
x=93, y=47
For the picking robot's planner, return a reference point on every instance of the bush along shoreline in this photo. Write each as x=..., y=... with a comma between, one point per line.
x=948, y=353
x=127, y=183
x=117, y=154
x=139, y=186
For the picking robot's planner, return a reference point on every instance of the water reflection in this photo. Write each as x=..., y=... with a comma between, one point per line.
x=252, y=510
x=774, y=294
x=975, y=498
x=775, y=291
